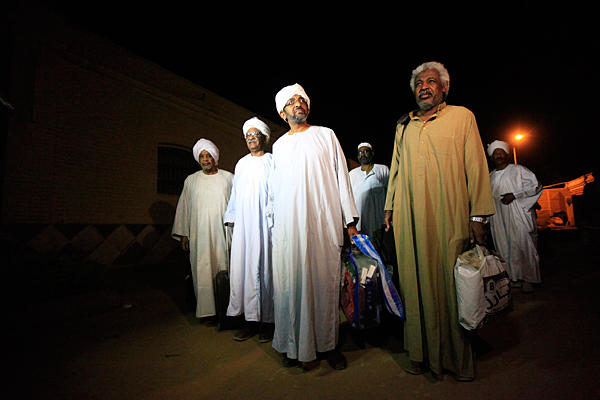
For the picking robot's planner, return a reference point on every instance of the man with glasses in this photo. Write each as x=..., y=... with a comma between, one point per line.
x=312, y=202
x=250, y=275
x=369, y=185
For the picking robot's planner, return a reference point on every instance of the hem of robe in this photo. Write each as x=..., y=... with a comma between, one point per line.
x=205, y=315
x=301, y=359
x=252, y=318
x=267, y=321
x=440, y=370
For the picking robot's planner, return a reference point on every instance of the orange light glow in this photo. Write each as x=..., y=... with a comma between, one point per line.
x=519, y=136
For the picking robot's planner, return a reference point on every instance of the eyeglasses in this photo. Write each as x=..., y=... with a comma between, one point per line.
x=364, y=151
x=300, y=100
x=255, y=134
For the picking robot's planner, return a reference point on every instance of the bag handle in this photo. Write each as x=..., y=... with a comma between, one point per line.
x=479, y=252
x=356, y=291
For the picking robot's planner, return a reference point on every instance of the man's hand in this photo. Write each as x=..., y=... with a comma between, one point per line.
x=185, y=243
x=387, y=220
x=507, y=198
x=477, y=232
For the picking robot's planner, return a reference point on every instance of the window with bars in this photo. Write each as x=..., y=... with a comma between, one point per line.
x=175, y=163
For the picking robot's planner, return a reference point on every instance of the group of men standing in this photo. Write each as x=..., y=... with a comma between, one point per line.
x=291, y=209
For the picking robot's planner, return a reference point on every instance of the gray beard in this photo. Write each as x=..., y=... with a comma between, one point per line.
x=425, y=105
x=298, y=119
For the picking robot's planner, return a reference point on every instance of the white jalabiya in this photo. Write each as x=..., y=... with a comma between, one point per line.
x=311, y=202
x=250, y=273
x=199, y=216
x=369, y=191
x=514, y=226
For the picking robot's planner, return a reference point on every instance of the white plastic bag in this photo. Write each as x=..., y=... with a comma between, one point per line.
x=496, y=286
x=482, y=287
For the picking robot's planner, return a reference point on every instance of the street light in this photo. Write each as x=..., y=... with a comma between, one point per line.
x=518, y=137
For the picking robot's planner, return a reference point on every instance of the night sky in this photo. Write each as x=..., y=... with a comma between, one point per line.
x=521, y=69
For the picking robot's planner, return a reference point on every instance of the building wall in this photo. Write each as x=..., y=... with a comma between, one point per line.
x=81, y=146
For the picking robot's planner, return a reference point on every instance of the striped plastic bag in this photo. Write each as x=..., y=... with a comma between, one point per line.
x=391, y=298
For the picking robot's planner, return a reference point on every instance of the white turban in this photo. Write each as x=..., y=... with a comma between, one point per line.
x=258, y=124
x=205, y=144
x=287, y=93
x=497, y=144
x=365, y=144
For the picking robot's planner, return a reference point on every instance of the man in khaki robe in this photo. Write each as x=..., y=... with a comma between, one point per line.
x=437, y=199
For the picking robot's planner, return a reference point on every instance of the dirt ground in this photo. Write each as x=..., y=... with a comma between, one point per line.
x=136, y=337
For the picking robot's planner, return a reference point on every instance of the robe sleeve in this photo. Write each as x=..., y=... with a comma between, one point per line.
x=181, y=223
x=393, y=175
x=229, y=216
x=270, y=196
x=385, y=175
x=481, y=202
x=349, y=211
x=530, y=189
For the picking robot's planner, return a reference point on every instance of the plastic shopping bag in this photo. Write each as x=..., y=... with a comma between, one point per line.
x=367, y=285
x=482, y=287
x=361, y=299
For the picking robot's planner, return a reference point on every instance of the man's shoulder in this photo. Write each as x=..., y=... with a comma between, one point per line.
x=194, y=175
x=225, y=173
x=280, y=138
x=323, y=130
x=240, y=163
x=458, y=110
x=249, y=159
x=382, y=167
x=242, y=160
x=519, y=167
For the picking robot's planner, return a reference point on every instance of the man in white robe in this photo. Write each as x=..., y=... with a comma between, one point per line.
x=312, y=201
x=516, y=191
x=199, y=225
x=250, y=274
x=369, y=185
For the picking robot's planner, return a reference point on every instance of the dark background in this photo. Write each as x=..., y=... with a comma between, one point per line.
x=517, y=67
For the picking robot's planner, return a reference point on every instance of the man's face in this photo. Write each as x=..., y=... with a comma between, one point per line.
x=255, y=140
x=207, y=162
x=500, y=157
x=365, y=155
x=429, y=91
x=296, y=109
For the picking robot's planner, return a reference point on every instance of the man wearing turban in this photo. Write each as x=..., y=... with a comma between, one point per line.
x=199, y=225
x=516, y=191
x=369, y=185
x=312, y=202
x=250, y=274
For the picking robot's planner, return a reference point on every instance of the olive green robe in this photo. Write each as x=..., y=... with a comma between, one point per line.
x=438, y=178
